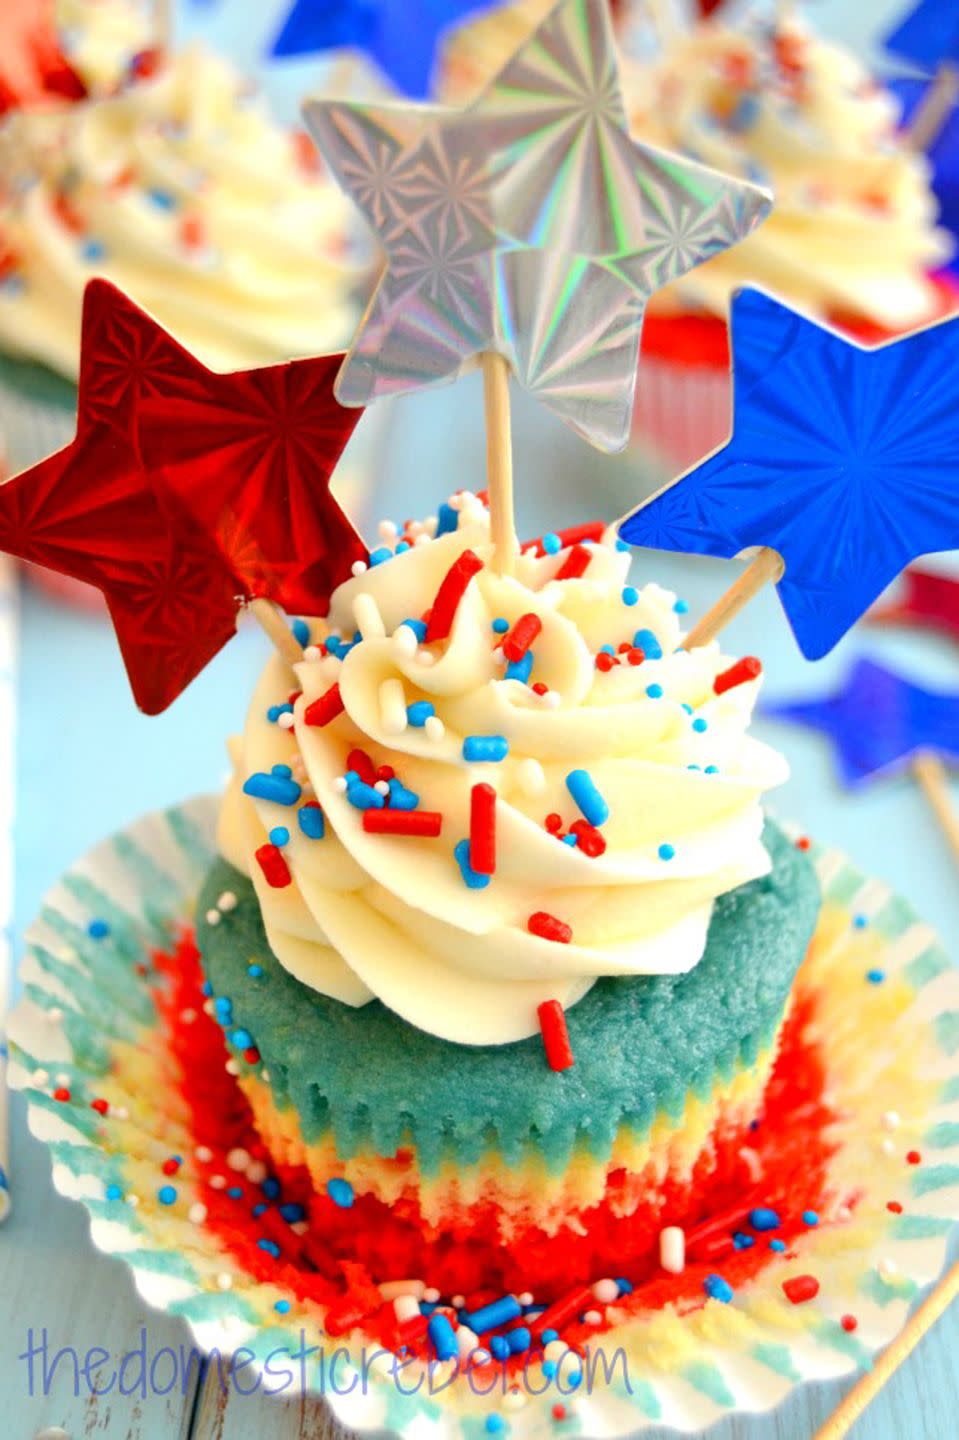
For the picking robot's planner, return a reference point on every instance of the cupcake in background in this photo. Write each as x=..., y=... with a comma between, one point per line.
x=853, y=236
x=98, y=38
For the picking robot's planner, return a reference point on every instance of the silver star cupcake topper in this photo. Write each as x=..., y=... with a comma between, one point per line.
x=529, y=225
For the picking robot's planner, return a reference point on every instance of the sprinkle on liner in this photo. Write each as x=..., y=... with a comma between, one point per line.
x=448, y=596
x=276, y=872
x=326, y=708
x=552, y=1023
x=427, y=824
x=482, y=841
x=521, y=637
x=749, y=668
x=548, y=927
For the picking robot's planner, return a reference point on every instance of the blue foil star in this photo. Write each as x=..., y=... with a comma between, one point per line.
x=929, y=36
x=402, y=36
x=878, y=722
x=845, y=460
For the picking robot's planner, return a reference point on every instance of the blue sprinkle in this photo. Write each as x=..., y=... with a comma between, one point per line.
x=312, y=822
x=549, y=1335
x=254, y=971
x=206, y=989
x=92, y=251
x=809, y=1217
x=711, y=770
x=573, y=1379
x=552, y=544
x=364, y=797
x=162, y=199
x=167, y=1195
x=402, y=547
x=114, y=1192
x=687, y=708
x=279, y=788
x=499, y=1347
x=377, y=556
x=606, y=650
x=681, y=607
x=500, y=625
x=471, y=877
x=625, y=1286
x=860, y=921
x=352, y=777
x=400, y=797
x=223, y=1005
x=655, y=692
x=667, y=852
x=282, y=1307
x=718, y=1289
x=519, y=1339
x=279, y=836
x=622, y=545
x=271, y=1187
x=743, y=1242
x=520, y=669
x=778, y=1245
x=447, y=520
x=292, y=1213
x=646, y=641
x=485, y=747
x=443, y=1337
x=98, y=929
x=496, y=1313
x=259, y=1209
x=699, y=725
x=630, y=595
x=301, y=632
x=549, y=1366
x=340, y=1192
x=235, y=1192
x=270, y=1246
x=763, y=1219
x=875, y=977
x=494, y=1424
x=571, y=840
x=694, y=767
x=419, y=712
x=418, y=628
x=242, y=1039
x=587, y=798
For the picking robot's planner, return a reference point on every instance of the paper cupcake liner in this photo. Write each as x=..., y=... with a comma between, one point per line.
x=884, y=1022
x=683, y=411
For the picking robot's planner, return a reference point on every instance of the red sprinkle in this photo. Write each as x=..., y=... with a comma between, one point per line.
x=575, y=564
x=894, y=1207
x=605, y=661
x=448, y=596
x=483, y=829
x=521, y=637
x=326, y=708
x=913, y=1158
x=61, y=1094
x=635, y=656
x=559, y=1412
x=849, y=1323
x=171, y=1166
x=425, y=823
x=562, y=1311
x=251, y=1055
x=552, y=1022
x=276, y=872
x=801, y=1288
x=749, y=668
x=803, y=843
x=588, y=838
x=192, y=233
x=359, y=761
x=539, y=687
x=100, y=1106
x=553, y=823
x=547, y=927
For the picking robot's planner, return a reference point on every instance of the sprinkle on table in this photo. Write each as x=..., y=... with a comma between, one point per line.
x=326, y=708
x=548, y=927
x=552, y=1023
x=482, y=844
x=427, y=824
x=448, y=596
x=749, y=668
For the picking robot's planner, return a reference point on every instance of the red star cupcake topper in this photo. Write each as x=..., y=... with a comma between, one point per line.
x=186, y=493
x=33, y=69
x=927, y=600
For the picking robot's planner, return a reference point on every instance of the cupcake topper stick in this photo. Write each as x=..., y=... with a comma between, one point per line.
x=930, y=39
x=499, y=462
x=529, y=227
x=841, y=466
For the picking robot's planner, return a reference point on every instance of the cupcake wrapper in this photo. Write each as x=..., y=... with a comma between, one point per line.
x=886, y=1025
x=682, y=411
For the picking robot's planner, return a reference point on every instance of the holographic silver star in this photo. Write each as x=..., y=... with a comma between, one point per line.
x=529, y=224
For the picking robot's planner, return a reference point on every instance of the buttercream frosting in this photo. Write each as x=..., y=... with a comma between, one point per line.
x=392, y=916
x=183, y=192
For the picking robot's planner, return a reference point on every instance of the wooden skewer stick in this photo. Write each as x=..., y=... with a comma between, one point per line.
x=499, y=462
x=931, y=774
x=767, y=566
x=271, y=621
x=934, y=108
x=163, y=25
x=866, y=1389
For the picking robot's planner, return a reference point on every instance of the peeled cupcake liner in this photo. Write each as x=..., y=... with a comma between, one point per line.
x=87, y=1022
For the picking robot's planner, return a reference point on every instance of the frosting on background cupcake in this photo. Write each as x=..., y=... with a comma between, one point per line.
x=403, y=918
x=183, y=192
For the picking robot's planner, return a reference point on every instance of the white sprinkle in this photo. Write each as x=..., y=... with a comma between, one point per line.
x=359, y=567
x=265, y=1075
x=466, y=1339
x=531, y=777
x=391, y=1288
x=133, y=1201
x=197, y=1213
x=369, y=621
x=672, y=1249
x=887, y=1145
x=480, y=1356
x=387, y=530
x=843, y=1213
x=225, y=1281
x=592, y=1317
x=431, y=524
x=55, y=1014
x=458, y=1302
x=382, y=787
x=217, y=1182
x=213, y=917
x=208, y=1007
x=434, y=729
x=888, y=1270
x=753, y=1162
x=286, y=721
x=312, y=652
x=405, y=1307
x=423, y=539
x=188, y=1016
x=204, y=1154
x=525, y=1297
x=605, y=1291
x=238, y=1159
x=552, y=699
x=120, y=1112
x=431, y=1295
x=393, y=716
x=41, y=1077
x=425, y=657
x=891, y=1120
x=555, y=1350
x=227, y=901
x=455, y=502
x=231, y=1067
x=300, y=1227
x=256, y=1172
x=63, y=1078
x=339, y=785
x=514, y=1400
x=499, y=655
x=404, y=641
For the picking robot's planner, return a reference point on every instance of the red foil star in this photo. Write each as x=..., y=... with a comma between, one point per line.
x=927, y=600
x=33, y=68
x=248, y=456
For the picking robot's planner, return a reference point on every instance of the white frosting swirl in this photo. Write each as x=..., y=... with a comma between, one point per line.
x=853, y=227
x=391, y=916
x=184, y=193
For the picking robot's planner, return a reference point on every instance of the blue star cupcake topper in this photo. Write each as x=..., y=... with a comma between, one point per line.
x=928, y=36
x=879, y=722
x=843, y=460
x=401, y=36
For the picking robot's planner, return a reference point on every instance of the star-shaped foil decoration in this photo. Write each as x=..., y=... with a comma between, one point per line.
x=927, y=600
x=529, y=224
x=249, y=456
x=845, y=460
x=186, y=493
x=878, y=722
x=401, y=36
x=33, y=68
x=928, y=36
